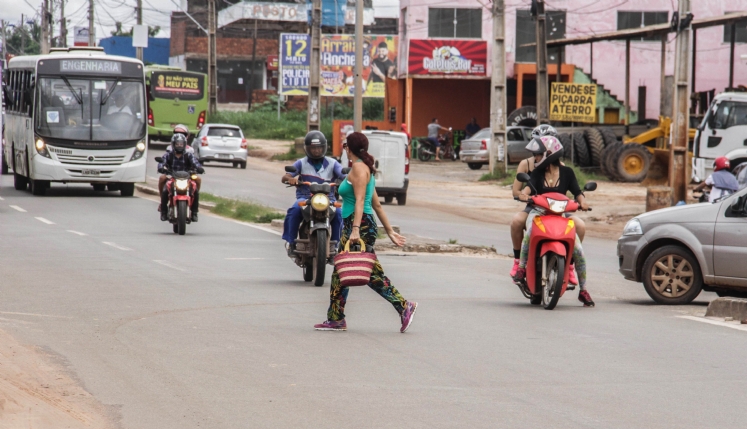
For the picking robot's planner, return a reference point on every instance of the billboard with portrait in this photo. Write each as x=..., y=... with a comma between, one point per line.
x=338, y=64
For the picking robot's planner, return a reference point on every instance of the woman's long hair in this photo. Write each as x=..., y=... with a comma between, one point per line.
x=358, y=145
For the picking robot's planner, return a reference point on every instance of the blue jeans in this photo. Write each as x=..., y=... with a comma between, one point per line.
x=434, y=141
x=294, y=217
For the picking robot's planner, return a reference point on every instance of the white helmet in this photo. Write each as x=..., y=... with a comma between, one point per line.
x=544, y=130
x=549, y=147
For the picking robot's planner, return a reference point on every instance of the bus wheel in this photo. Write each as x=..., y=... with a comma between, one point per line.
x=19, y=182
x=127, y=189
x=38, y=187
x=4, y=169
x=99, y=188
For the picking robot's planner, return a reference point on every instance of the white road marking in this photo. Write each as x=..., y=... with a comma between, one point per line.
x=116, y=246
x=245, y=259
x=731, y=325
x=47, y=221
x=168, y=264
x=2, y=199
x=77, y=232
x=18, y=208
x=35, y=315
x=261, y=228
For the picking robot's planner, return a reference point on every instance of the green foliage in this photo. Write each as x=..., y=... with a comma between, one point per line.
x=584, y=175
x=452, y=241
x=291, y=155
x=240, y=210
x=152, y=31
x=23, y=40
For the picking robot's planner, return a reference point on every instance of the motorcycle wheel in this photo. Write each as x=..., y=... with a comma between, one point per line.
x=176, y=228
x=308, y=271
x=535, y=300
x=181, y=216
x=553, y=285
x=423, y=154
x=320, y=260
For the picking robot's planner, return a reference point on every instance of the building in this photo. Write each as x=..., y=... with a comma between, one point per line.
x=157, y=51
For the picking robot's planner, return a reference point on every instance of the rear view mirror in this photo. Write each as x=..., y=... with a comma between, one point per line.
x=591, y=186
x=290, y=169
x=737, y=207
x=159, y=159
x=522, y=177
x=346, y=170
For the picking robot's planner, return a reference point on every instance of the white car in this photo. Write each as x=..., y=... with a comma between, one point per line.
x=221, y=143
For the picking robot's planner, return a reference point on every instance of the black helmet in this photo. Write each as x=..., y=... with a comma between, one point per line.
x=178, y=143
x=315, y=139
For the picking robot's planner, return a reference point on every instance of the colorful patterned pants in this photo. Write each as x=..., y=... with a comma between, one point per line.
x=338, y=295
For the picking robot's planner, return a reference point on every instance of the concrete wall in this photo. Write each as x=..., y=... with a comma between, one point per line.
x=453, y=101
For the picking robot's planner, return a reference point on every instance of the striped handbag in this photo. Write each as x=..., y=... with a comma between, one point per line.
x=354, y=268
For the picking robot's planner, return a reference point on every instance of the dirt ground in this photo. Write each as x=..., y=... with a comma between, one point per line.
x=37, y=392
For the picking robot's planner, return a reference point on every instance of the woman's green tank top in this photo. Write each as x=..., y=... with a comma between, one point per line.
x=348, y=197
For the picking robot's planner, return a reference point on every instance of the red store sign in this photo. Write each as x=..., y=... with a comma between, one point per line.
x=448, y=57
x=272, y=62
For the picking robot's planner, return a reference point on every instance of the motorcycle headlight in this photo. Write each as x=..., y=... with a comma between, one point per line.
x=182, y=184
x=320, y=202
x=633, y=227
x=557, y=206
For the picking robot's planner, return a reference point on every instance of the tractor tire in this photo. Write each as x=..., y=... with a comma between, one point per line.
x=608, y=158
x=523, y=117
x=632, y=162
x=596, y=145
x=583, y=158
x=609, y=136
x=565, y=140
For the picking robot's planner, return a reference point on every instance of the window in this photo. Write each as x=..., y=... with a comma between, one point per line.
x=526, y=32
x=729, y=114
x=224, y=132
x=741, y=27
x=482, y=134
x=628, y=20
x=455, y=23
x=515, y=134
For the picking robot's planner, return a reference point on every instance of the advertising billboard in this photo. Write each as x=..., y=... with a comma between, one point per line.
x=573, y=102
x=294, y=64
x=338, y=64
x=448, y=57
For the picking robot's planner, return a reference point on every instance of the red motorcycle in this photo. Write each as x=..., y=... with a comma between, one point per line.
x=181, y=187
x=551, y=244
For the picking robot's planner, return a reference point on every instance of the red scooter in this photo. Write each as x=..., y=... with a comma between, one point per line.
x=551, y=244
x=181, y=187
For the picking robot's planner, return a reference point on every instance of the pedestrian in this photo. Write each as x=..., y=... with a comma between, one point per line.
x=471, y=129
x=358, y=193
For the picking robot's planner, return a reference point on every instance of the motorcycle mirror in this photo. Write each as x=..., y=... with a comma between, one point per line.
x=159, y=159
x=346, y=170
x=290, y=169
x=591, y=186
x=522, y=177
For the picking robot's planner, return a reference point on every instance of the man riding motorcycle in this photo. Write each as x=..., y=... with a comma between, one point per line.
x=314, y=168
x=549, y=176
x=519, y=221
x=178, y=159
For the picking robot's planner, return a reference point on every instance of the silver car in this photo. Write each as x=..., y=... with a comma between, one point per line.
x=678, y=251
x=221, y=143
x=475, y=151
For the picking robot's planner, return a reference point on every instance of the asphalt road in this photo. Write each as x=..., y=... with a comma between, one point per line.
x=214, y=329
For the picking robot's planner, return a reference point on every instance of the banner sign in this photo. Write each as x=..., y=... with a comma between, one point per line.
x=268, y=11
x=448, y=57
x=80, y=36
x=338, y=63
x=173, y=84
x=573, y=102
x=294, y=60
x=272, y=62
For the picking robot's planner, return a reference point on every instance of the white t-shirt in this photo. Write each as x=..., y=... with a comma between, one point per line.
x=716, y=193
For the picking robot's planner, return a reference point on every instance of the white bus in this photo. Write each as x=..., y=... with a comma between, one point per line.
x=75, y=116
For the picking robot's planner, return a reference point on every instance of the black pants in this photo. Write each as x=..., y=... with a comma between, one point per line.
x=165, y=201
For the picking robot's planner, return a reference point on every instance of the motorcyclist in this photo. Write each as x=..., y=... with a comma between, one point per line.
x=183, y=130
x=549, y=176
x=178, y=159
x=519, y=221
x=315, y=167
x=433, y=129
x=722, y=182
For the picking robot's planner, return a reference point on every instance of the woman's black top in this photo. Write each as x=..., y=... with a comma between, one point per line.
x=566, y=182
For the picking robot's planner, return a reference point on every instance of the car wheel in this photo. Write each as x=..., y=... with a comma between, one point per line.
x=671, y=276
x=243, y=165
x=388, y=199
x=474, y=165
x=401, y=199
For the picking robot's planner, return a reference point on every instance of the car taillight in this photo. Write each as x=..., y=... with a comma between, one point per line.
x=201, y=120
x=150, y=117
x=407, y=159
x=203, y=141
x=484, y=145
x=243, y=143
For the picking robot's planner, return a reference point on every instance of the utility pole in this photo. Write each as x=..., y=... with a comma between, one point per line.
x=678, y=148
x=91, y=27
x=5, y=24
x=212, y=61
x=498, y=84
x=44, y=40
x=250, y=84
x=358, y=101
x=23, y=36
x=139, y=12
x=63, y=26
x=312, y=112
x=543, y=85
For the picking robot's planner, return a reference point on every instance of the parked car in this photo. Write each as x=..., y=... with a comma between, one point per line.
x=389, y=149
x=678, y=251
x=221, y=143
x=475, y=151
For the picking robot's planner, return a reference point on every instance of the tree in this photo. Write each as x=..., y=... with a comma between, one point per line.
x=152, y=31
x=23, y=39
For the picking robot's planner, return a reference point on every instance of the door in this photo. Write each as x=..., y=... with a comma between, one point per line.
x=725, y=129
x=388, y=150
x=730, y=244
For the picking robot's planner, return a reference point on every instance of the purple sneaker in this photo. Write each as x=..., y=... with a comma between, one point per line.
x=331, y=325
x=408, y=315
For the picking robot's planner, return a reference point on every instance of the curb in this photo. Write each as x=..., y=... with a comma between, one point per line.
x=153, y=191
x=735, y=308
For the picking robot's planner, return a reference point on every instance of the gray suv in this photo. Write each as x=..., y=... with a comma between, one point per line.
x=678, y=251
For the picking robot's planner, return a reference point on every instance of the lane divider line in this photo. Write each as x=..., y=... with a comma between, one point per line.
x=47, y=221
x=168, y=264
x=18, y=208
x=116, y=246
x=251, y=225
x=77, y=232
x=731, y=325
x=245, y=259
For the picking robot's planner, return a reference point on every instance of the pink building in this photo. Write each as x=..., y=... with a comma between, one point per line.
x=419, y=19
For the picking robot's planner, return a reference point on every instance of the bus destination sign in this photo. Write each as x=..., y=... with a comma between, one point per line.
x=91, y=66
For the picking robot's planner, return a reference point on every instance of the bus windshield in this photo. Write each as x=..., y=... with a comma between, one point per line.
x=97, y=109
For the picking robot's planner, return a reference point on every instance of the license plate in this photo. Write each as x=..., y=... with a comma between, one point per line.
x=91, y=172
x=222, y=155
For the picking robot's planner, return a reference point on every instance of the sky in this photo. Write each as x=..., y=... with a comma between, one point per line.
x=107, y=12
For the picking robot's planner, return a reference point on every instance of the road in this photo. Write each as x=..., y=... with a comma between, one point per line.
x=214, y=329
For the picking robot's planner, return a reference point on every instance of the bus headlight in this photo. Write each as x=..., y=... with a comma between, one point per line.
x=182, y=184
x=140, y=147
x=139, y=150
x=41, y=148
x=320, y=202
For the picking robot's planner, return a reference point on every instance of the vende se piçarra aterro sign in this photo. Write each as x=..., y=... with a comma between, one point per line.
x=447, y=57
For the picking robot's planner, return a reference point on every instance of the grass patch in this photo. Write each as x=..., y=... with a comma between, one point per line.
x=453, y=241
x=240, y=210
x=291, y=155
x=503, y=179
x=587, y=176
